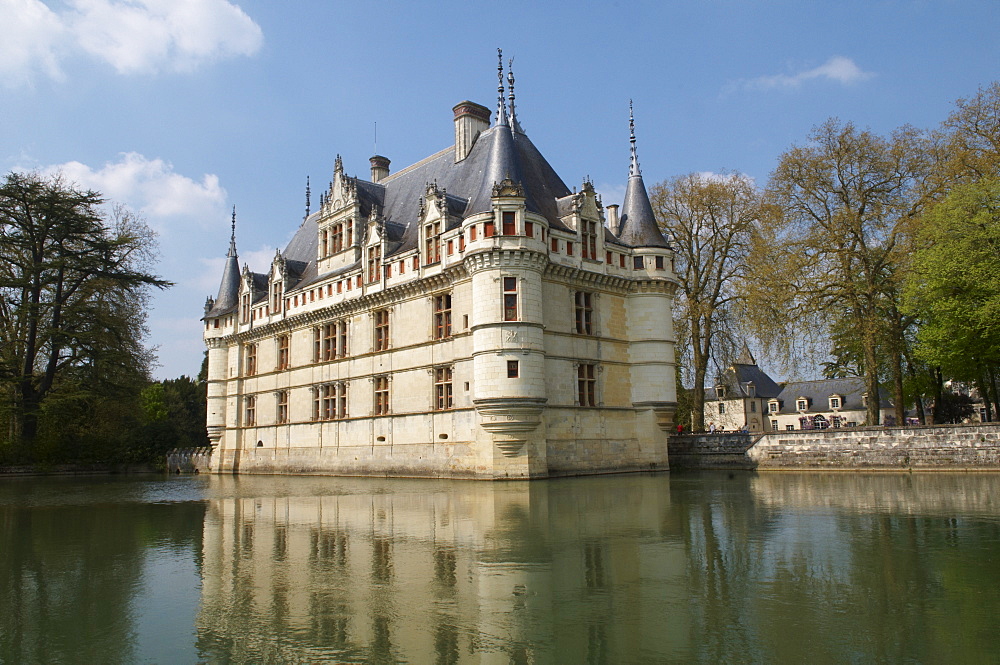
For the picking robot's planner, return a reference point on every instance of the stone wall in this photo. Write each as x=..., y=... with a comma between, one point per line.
x=189, y=460
x=947, y=447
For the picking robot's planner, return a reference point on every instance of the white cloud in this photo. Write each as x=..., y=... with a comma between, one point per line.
x=29, y=39
x=837, y=69
x=133, y=36
x=148, y=185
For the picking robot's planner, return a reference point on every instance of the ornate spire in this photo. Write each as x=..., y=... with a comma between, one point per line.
x=307, y=196
x=501, y=107
x=232, y=237
x=633, y=169
x=514, y=124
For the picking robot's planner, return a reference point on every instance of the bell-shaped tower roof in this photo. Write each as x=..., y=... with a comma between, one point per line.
x=229, y=289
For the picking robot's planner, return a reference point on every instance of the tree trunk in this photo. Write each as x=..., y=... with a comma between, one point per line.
x=871, y=377
x=938, y=396
x=984, y=392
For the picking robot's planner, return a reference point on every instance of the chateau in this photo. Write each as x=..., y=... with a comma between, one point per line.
x=467, y=316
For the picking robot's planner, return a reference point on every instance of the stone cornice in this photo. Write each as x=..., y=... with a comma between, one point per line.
x=581, y=276
x=497, y=258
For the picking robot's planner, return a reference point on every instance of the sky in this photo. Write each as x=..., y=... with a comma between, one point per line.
x=182, y=109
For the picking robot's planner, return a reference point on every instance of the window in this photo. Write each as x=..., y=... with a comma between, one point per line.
x=720, y=392
x=512, y=369
x=245, y=307
x=555, y=245
x=451, y=247
x=772, y=407
x=588, y=244
x=251, y=359
x=584, y=313
x=774, y=425
x=789, y=428
x=834, y=402
x=801, y=404
x=586, y=385
x=432, y=243
x=607, y=257
x=330, y=401
x=621, y=260
x=472, y=233
x=659, y=263
x=442, y=316
x=282, y=352
x=277, y=291
x=507, y=223
x=329, y=341
x=529, y=229
x=317, y=344
x=510, y=299
x=442, y=388
x=324, y=243
x=381, y=318
x=488, y=230
x=282, y=416
x=251, y=411
x=374, y=263
x=753, y=407
x=638, y=263
x=342, y=399
x=722, y=409
x=381, y=395
x=569, y=248
x=342, y=339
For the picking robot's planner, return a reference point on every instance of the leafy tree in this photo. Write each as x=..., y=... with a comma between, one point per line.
x=837, y=238
x=711, y=221
x=954, y=288
x=74, y=285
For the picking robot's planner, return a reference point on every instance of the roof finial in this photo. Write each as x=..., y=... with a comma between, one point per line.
x=501, y=107
x=510, y=82
x=307, y=196
x=633, y=169
x=232, y=237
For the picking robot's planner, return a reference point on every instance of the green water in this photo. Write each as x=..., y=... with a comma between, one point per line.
x=703, y=568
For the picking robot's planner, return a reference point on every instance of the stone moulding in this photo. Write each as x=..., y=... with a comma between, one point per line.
x=509, y=419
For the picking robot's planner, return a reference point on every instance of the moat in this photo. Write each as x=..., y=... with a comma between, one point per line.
x=685, y=567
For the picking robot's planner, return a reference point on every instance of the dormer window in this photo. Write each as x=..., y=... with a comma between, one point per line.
x=507, y=226
x=720, y=392
x=773, y=406
x=277, y=293
x=864, y=400
x=835, y=402
x=801, y=404
x=588, y=240
x=374, y=263
x=751, y=390
x=432, y=243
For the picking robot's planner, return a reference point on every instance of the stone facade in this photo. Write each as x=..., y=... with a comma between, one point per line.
x=468, y=316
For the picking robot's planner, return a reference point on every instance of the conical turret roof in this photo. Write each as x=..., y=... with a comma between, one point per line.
x=229, y=289
x=638, y=226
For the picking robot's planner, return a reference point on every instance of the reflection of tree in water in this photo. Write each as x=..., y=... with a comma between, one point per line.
x=70, y=567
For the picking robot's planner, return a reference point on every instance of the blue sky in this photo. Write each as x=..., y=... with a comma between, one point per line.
x=183, y=108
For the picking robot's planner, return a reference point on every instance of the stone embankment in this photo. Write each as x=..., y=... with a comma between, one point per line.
x=922, y=448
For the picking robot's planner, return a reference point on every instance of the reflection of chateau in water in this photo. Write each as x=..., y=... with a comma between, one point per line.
x=447, y=572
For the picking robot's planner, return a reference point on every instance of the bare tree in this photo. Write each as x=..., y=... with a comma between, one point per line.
x=711, y=220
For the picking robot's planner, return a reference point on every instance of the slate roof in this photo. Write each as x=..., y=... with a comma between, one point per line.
x=499, y=152
x=819, y=392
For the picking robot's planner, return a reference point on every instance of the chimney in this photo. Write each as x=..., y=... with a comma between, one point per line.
x=380, y=167
x=470, y=120
x=612, y=216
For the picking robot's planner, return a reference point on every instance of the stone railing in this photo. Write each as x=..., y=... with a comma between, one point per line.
x=189, y=460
